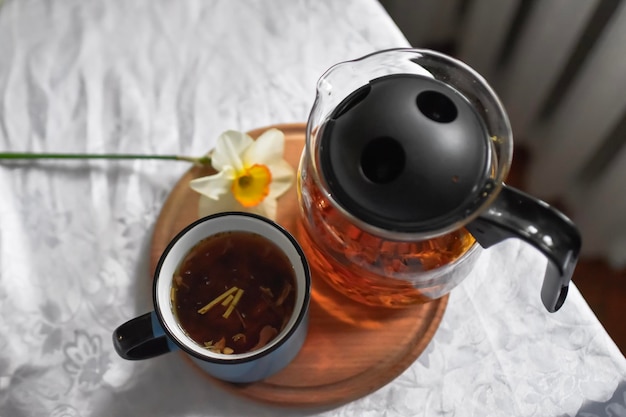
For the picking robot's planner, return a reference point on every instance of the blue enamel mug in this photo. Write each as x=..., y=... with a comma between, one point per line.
x=159, y=331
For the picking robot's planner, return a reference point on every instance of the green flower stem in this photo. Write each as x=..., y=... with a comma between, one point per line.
x=203, y=160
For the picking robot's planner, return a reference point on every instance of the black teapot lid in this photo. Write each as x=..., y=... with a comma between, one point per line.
x=406, y=153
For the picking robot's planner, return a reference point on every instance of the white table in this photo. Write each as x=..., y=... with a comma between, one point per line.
x=157, y=76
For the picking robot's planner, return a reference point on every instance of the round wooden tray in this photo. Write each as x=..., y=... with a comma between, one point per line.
x=351, y=350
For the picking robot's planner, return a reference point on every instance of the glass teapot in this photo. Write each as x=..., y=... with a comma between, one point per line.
x=401, y=184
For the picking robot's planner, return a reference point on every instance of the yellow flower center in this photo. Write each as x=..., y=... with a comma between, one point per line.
x=252, y=185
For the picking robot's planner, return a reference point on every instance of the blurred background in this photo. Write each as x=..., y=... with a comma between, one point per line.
x=559, y=66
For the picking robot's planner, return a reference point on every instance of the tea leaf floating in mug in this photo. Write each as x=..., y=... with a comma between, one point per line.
x=227, y=300
x=217, y=300
x=232, y=305
x=283, y=295
x=267, y=334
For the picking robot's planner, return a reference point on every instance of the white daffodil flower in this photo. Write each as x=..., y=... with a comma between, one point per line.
x=251, y=174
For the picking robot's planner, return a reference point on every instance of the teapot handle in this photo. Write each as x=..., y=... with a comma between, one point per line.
x=516, y=214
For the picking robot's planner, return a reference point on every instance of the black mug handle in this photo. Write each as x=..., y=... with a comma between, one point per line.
x=141, y=338
x=516, y=214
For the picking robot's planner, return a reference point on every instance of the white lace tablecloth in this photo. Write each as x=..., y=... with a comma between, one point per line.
x=166, y=77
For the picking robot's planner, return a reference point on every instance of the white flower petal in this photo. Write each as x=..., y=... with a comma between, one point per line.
x=227, y=202
x=282, y=178
x=214, y=186
x=267, y=149
x=267, y=208
x=229, y=147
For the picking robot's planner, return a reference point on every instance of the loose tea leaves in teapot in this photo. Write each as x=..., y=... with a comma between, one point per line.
x=234, y=292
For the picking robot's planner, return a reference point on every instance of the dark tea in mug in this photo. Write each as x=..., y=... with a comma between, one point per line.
x=234, y=292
